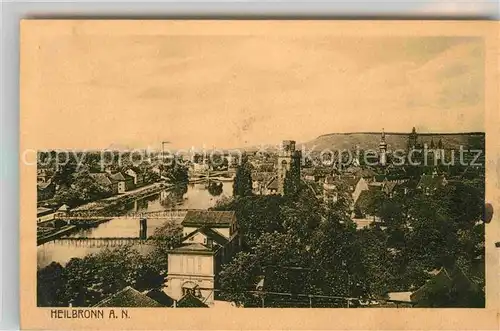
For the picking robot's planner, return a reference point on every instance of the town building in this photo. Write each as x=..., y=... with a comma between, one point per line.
x=260, y=181
x=130, y=297
x=102, y=179
x=124, y=182
x=383, y=150
x=137, y=175
x=210, y=239
x=287, y=157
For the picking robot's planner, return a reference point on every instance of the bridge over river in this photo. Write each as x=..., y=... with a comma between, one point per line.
x=86, y=218
x=103, y=242
x=168, y=214
x=120, y=226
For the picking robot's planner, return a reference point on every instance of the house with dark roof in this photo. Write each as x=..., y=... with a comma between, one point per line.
x=129, y=297
x=436, y=291
x=272, y=186
x=260, y=181
x=388, y=187
x=223, y=222
x=190, y=301
x=361, y=185
x=137, y=175
x=366, y=204
x=102, y=179
x=210, y=240
x=124, y=181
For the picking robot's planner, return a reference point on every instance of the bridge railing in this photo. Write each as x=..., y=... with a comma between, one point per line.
x=103, y=241
x=171, y=213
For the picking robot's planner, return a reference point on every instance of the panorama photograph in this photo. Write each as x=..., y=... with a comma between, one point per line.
x=263, y=172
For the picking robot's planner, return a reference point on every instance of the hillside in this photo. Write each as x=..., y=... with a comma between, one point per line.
x=370, y=140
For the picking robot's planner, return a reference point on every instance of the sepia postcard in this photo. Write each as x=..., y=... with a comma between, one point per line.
x=263, y=174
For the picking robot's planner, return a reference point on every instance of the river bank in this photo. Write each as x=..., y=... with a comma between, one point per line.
x=104, y=204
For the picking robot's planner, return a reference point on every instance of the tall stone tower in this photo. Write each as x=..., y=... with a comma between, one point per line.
x=383, y=150
x=412, y=139
x=287, y=157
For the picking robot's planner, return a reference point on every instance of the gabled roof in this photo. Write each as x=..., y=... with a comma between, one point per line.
x=64, y=207
x=209, y=233
x=389, y=186
x=272, y=184
x=160, y=297
x=195, y=248
x=119, y=177
x=208, y=218
x=129, y=297
x=364, y=200
x=101, y=178
x=350, y=181
x=190, y=301
x=444, y=278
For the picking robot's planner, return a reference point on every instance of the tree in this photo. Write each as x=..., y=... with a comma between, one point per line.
x=239, y=277
x=86, y=281
x=177, y=174
x=83, y=188
x=50, y=283
x=312, y=250
x=378, y=267
x=292, y=183
x=64, y=174
x=256, y=215
x=215, y=188
x=242, y=185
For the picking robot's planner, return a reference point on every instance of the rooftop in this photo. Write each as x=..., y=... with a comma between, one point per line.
x=101, y=178
x=209, y=233
x=190, y=301
x=209, y=218
x=272, y=184
x=129, y=297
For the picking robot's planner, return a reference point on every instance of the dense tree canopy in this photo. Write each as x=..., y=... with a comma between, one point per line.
x=416, y=236
x=242, y=185
x=84, y=282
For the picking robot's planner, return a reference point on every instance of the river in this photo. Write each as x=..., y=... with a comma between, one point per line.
x=196, y=197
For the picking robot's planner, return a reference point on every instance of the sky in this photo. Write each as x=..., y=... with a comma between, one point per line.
x=230, y=91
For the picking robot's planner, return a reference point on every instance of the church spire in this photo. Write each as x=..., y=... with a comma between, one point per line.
x=383, y=149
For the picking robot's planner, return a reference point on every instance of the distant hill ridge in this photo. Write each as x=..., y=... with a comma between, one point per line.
x=404, y=133
x=395, y=140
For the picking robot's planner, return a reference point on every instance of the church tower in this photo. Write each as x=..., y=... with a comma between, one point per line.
x=412, y=140
x=287, y=157
x=383, y=150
